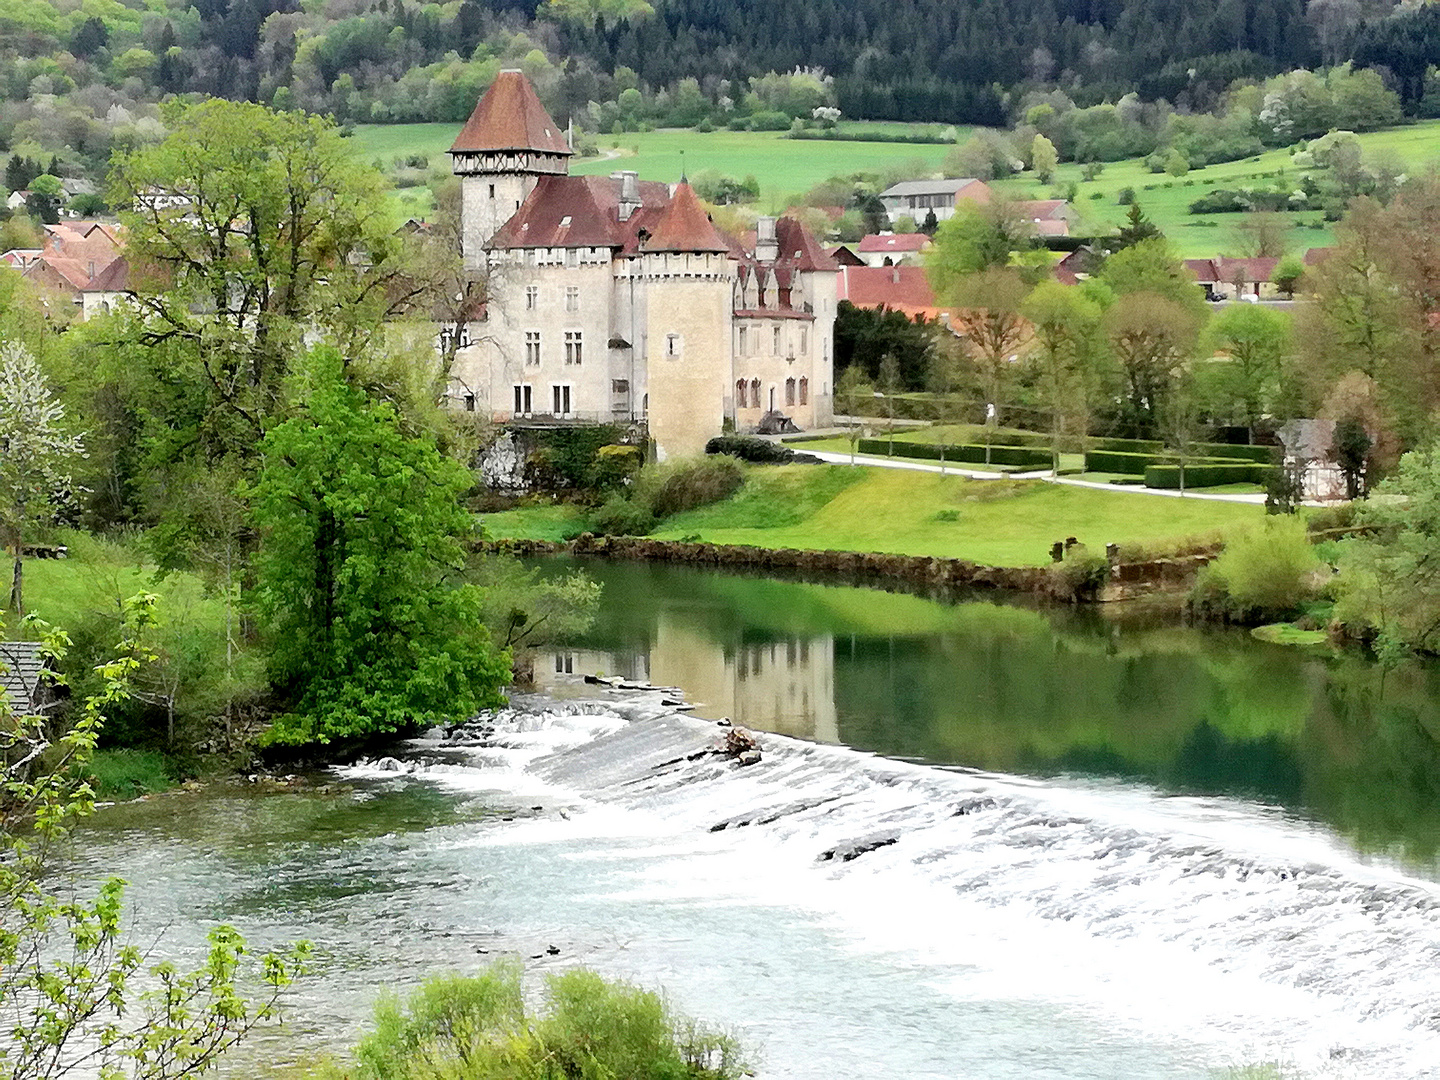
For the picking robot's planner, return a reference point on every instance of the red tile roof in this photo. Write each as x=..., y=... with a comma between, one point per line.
x=800, y=248
x=685, y=226
x=509, y=116
x=1247, y=270
x=1204, y=270
x=886, y=242
x=1043, y=209
x=902, y=288
x=1317, y=255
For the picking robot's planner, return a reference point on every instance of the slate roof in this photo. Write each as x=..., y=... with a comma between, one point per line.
x=509, y=116
x=582, y=211
x=931, y=187
x=22, y=662
x=799, y=247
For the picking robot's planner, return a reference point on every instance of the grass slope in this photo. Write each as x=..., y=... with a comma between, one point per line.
x=997, y=522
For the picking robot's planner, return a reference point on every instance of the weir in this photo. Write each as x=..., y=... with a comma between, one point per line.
x=1206, y=927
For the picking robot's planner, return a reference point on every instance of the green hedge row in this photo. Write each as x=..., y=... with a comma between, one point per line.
x=1135, y=464
x=1222, y=451
x=1207, y=475
x=972, y=452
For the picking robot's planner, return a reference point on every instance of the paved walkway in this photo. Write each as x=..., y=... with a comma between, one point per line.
x=840, y=458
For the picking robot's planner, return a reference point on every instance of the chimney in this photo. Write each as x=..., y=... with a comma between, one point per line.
x=767, y=249
x=895, y=275
x=629, y=194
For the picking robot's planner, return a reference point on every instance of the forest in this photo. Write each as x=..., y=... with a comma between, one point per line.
x=82, y=78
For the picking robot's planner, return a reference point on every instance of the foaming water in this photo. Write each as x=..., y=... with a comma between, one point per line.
x=902, y=920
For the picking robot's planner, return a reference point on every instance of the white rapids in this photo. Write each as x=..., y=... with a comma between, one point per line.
x=872, y=918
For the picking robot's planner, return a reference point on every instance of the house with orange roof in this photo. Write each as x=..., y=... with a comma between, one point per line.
x=80, y=269
x=612, y=299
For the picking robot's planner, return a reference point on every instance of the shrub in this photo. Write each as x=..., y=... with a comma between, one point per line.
x=750, y=448
x=613, y=466
x=684, y=485
x=590, y=1028
x=1263, y=574
x=1339, y=516
x=1207, y=474
x=1080, y=575
x=623, y=517
x=970, y=452
x=124, y=774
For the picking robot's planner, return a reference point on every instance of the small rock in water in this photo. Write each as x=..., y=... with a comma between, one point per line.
x=724, y=721
x=552, y=950
x=389, y=764
x=748, y=757
x=537, y=808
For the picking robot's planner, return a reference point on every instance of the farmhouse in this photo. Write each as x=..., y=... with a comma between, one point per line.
x=611, y=299
x=919, y=198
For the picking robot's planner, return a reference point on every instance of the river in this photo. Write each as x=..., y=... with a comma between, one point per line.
x=995, y=841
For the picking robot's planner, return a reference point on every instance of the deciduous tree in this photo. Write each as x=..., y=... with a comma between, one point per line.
x=371, y=626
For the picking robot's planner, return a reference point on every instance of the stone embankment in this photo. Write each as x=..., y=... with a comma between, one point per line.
x=1125, y=580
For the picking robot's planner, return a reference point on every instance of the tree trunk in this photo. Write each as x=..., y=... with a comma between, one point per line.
x=17, y=588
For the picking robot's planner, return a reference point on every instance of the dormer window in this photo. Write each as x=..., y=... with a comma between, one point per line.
x=565, y=222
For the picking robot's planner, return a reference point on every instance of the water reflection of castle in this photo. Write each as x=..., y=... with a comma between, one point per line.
x=786, y=685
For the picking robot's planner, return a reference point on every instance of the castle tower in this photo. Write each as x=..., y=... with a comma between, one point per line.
x=508, y=143
x=689, y=276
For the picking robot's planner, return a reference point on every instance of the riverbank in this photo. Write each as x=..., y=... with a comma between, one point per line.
x=1004, y=523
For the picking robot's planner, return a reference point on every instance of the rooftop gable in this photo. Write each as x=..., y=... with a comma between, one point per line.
x=509, y=116
x=878, y=242
x=796, y=243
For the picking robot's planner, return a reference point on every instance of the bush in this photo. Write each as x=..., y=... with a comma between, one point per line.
x=971, y=452
x=124, y=774
x=1081, y=575
x=613, y=466
x=1207, y=474
x=1339, y=516
x=478, y=1027
x=1263, y=574
x=674, y=488
x=751, y=448
x=623, y=517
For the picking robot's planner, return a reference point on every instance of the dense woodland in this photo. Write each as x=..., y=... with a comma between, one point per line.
x=82, y=76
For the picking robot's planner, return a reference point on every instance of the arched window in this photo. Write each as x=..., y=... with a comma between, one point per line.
x=789, y=391
x=740, y=394
x=804, y=390
x=754, y=393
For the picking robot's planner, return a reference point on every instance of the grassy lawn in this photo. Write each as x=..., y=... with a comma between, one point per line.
x=784, y=167
x=1001, y=522
x=532, y=523
x=787, y=167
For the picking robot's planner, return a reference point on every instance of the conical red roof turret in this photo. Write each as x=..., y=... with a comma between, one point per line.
x=509, y=116
x=684, y=226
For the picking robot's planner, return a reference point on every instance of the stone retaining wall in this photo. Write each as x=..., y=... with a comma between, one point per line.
x=1127, y=580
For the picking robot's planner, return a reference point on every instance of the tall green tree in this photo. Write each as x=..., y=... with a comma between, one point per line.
x=1152, y=339
x=370, y=624
x=1256, y=341
x=1065, y=323
x=978, y=237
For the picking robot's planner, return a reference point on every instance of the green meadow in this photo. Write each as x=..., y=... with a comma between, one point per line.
x=785, y=168
x=996, y=522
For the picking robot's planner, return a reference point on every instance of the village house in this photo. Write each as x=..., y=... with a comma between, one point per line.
x=1234, y=279
x=612, y=299
x=1048, y=217
x=80, y=270
x=917, y=199
x=893, y=249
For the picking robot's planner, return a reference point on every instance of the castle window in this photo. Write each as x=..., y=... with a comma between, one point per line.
x=804, y=342
x=532, y=297
x=560, y=398
x=524, y=398
x=672, y=346
x=572, y=298
x=572, y=346
x=754, y=393
x=740, y=393
x=532, y=348
x=789, y=391
x=492, y=191
x=804, y=390
x=469, y=402
x=775, y=341
x=743, y=343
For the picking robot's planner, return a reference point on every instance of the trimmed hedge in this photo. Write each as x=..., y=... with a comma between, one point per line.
x=750, y=448
x=1265, y=455
x=1135, y=464
x=1221, y=451
x=1207, y=475
x=1130, y=446
x=971, y=452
